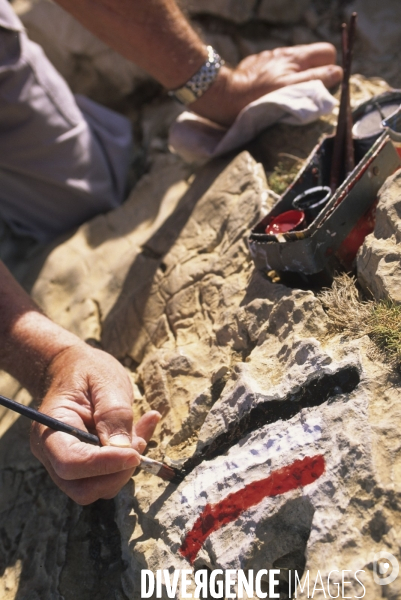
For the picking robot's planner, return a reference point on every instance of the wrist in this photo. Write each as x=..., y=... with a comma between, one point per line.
x=201, y=81
x=33, y=342
x=186, y=69
x=29, y=341
x=221, y=103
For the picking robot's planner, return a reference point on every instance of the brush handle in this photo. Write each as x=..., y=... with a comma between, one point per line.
x=147, y=464
x=54, y=424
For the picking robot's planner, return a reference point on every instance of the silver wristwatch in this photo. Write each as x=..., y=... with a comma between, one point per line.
x=201, y=81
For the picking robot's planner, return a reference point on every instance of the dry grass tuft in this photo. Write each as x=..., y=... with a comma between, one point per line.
x=353, y=317
x=284, y=173
x=347, y=312
x=385, y=329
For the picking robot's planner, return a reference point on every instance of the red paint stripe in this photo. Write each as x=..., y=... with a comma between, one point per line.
x=214, y=516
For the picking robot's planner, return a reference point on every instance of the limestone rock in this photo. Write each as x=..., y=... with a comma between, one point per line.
x=159, y=306
x=238, y=11
x=277, y=37
x=272, y=343
x=303, y=35
x=379, y=29
x=379, y=259
x=157, y=118
x=277, y=11
x=379, y=25
x=76, y=294
x=310, y=528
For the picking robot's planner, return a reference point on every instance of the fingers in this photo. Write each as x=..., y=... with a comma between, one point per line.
x=271, y=70
x=84, y=472
x=88, y=490
x=330, y=75
x=100, y=383
x=146, y=425
x=71, y=459
x=114, y=419
x=309, y=56
x=112, y=398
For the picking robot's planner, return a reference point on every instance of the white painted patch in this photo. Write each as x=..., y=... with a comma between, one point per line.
x=249, y=461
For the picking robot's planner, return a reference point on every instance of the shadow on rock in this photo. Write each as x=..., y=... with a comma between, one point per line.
x=125, y=318
x=49, y=546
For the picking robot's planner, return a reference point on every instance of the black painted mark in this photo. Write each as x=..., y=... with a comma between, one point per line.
x=218, y=386
x=314, y=393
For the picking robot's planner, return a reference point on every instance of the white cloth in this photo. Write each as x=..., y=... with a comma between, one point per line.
x=197, y=140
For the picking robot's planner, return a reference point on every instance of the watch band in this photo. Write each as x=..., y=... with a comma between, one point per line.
x=201, y=81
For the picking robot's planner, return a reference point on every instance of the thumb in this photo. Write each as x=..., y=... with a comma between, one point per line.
x=114, y=419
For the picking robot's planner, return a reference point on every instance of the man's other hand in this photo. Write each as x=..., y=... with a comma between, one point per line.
x=262, y=73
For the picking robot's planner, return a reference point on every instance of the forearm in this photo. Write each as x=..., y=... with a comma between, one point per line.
x=154, y=34
x=29, y=341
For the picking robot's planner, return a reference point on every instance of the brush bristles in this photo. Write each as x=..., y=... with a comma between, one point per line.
x=170, y=474
x=161, y=470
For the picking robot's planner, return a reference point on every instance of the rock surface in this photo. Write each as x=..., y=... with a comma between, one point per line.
x=277, y=11
x=379, y=29
x=271, y=347
x=241, y=11
x=379, y=259
x=238, y=11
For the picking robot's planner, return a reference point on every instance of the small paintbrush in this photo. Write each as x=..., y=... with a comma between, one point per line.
x=147, y=464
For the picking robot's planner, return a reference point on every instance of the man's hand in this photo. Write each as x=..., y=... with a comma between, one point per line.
x=90, y=390
x=262, y=73
x=84, y=387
